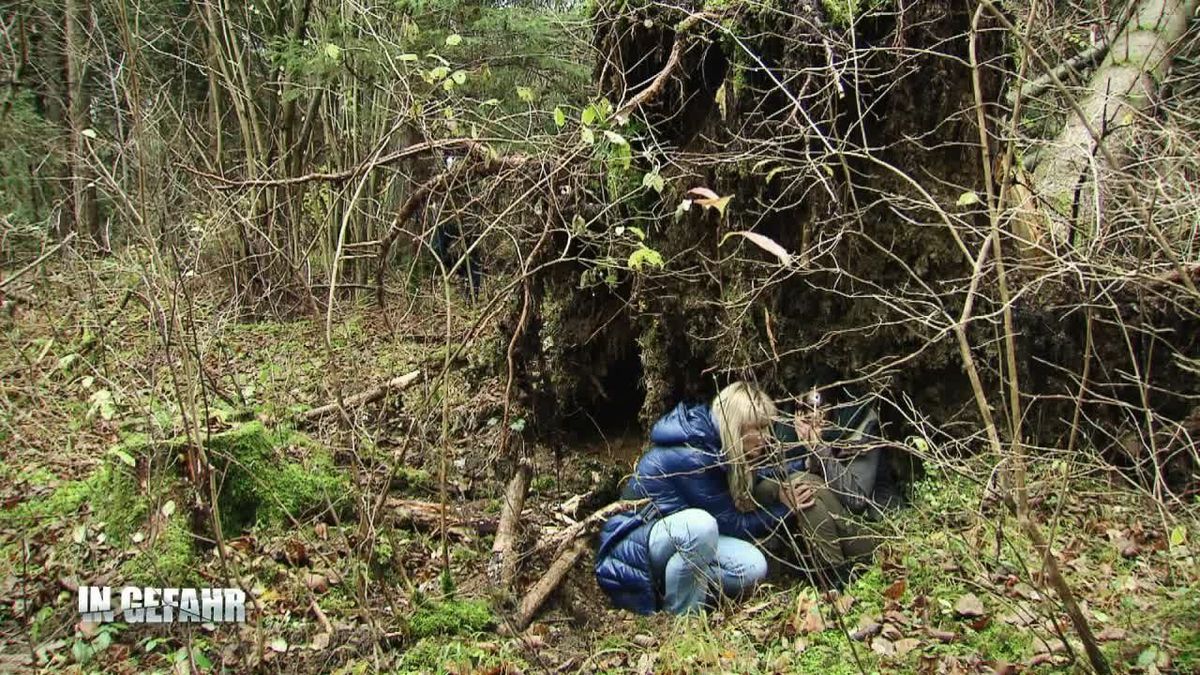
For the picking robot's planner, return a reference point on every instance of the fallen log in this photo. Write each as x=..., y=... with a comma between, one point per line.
x=1120, y=92
x=1038, y=86
x=569, y=545
x=362, y=398
x=541, y=590
x=426, y=516
x=503, y=567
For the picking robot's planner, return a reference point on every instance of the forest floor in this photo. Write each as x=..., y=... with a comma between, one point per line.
x=89, y=397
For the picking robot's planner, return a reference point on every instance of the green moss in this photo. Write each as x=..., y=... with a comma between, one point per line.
x=169, y=560
x=409, y=478
x=67, y=499
x=450, y=617
x=542, y=484
x=829, y=652
x=432, y=655
x=120, y=503
x=259, y=485
x=842, y=13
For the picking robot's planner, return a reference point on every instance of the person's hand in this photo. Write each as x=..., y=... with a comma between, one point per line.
x=798, y=494
x=809, y=424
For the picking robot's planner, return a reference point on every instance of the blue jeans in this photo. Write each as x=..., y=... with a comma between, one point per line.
x=691, y=557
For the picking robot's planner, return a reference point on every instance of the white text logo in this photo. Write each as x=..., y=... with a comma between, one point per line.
x=162, y=605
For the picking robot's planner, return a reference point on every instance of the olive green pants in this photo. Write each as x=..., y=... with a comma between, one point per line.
x=833, y=535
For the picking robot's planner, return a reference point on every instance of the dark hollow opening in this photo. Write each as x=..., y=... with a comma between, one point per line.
x=616, y=398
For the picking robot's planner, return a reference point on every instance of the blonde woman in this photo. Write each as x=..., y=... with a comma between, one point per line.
x=695, y=537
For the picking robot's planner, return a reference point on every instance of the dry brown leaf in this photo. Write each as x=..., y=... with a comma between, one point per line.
x=813, y=623
x=941, y=635
x=1005, y=668
x=868, y=627
x=980, y=623
x=903, y=647
x=316, y=583
x=969, y=606
x=896, y=590
x=843, y=603
x=883, y=647
x=1021, y=615
x=764, y=242
x=808, y=616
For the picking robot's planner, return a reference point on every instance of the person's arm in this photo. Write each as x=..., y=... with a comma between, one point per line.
x=681, y=479
x=660, y=483
x=730, y=521
x=853, y=481
x=769, y=480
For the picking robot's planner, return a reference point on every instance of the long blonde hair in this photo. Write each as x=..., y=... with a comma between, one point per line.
x=735, y=406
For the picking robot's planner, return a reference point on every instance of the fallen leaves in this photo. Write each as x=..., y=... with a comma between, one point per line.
x=969, y=606
x=316, y=583
x=896, y=590
x=941, y=635
x=644, y=641
x=868, y=627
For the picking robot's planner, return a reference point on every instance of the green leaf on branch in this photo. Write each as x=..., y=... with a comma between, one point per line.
x=333, y=51
x=1178, y=535
x=525, y=94
x=453, y=40
x=968, y=198
x=654, y=181
x=645, y=256
x=126, y=458
x=587, y=136
x=615, y=138
x=560, y=117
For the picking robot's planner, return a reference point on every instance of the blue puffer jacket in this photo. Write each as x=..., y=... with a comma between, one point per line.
x=684, y=469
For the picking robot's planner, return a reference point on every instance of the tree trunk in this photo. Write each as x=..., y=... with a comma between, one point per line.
x=84, y=211
x=1120, y=92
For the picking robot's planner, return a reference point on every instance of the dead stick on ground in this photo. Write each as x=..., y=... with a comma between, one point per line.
x=570, y=544
x=393, y=385
x=537, y=595
x=559, y=541
x=21, y=272
x=504, y=549
x=321, y=618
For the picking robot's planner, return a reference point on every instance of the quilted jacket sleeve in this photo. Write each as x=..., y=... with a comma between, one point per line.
x=682, y=478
